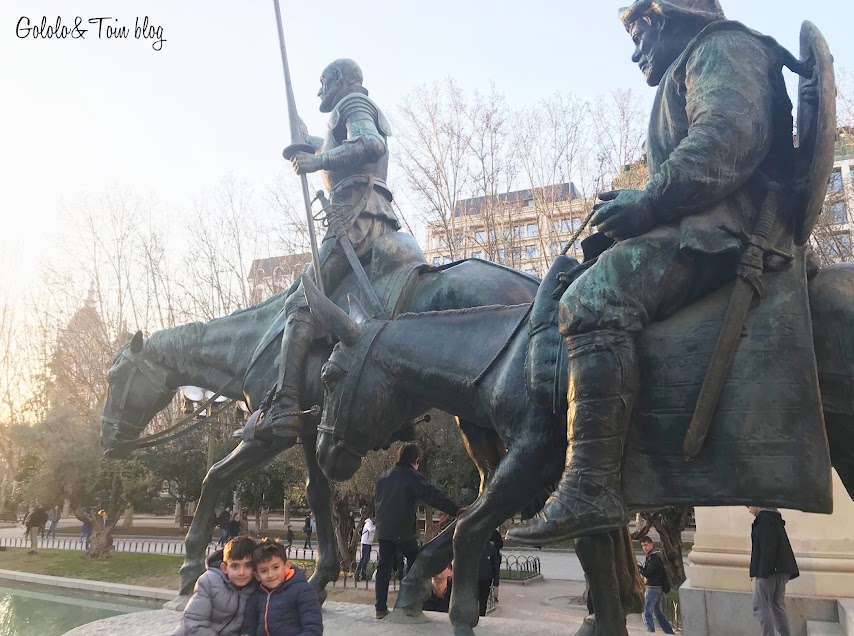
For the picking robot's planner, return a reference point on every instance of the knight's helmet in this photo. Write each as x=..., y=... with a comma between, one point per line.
x=706, y=10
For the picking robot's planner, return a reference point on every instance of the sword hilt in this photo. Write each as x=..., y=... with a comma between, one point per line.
x=289, y=152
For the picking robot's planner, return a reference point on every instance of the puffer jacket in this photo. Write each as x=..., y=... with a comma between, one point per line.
x=292, y=609
x=216, y=607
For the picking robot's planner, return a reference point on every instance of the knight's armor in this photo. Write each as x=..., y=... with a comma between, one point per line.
x=354, y=157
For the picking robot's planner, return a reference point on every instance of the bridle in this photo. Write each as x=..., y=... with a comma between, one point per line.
x=158, y=382
x=341, y=432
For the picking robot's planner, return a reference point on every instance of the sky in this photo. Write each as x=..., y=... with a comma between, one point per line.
x=81, y=116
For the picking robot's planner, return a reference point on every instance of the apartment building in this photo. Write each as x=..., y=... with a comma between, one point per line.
x=832, y=238
x=524, y=229
x=270, y=276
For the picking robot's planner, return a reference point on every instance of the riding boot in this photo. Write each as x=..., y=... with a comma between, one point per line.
x=282, y=417
x=603, y=383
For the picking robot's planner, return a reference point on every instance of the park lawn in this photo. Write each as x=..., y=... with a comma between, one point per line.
x=128, y=568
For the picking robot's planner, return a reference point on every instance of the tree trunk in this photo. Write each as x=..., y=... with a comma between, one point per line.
x=431, y=528
x=128, y=520
x=669, y=524
x=257, y=523
x=265, y=520
x=101, y=534
x=66, y=508
x=628, y=576
x=286, y=513
x=345, y=531
x=179, y=514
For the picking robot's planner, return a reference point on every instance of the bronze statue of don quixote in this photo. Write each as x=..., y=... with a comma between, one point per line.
x=695, y=349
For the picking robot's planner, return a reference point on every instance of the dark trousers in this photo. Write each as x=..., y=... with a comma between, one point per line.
x=307, y=543
x=223, y=536
x=362, y=568
x=483, y=595
x=389, y=553
x=769, y=604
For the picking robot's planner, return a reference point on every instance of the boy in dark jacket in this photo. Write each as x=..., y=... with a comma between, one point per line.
x=657, y=585
x=219, y=599
x=772, y=564
x=285, y=604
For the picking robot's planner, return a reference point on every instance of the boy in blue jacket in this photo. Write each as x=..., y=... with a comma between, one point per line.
x=284, y=604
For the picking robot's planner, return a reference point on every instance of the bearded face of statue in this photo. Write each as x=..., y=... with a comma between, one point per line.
x=331, y=85
x=655, y=48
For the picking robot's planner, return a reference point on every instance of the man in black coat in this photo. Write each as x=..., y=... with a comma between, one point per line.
x=398, y=493
x=772, y=564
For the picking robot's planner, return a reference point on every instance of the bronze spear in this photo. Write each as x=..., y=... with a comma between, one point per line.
x=298, y=145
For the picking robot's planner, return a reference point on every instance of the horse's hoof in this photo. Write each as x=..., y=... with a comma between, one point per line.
x=406, y=616
x=463, y=630
x=321, y=595
x=177, y=604
x=588, y=628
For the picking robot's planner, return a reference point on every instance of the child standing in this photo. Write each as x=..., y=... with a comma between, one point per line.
x=284, y=604
x=221, y=593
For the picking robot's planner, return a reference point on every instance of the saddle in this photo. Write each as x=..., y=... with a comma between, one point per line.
x=767, y=441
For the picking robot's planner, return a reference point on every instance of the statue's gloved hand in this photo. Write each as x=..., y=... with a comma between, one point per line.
x=304, y=163
x=624, y=214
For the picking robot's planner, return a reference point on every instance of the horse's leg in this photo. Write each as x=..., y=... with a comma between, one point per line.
x=531, y=463
x=596, y=553
x=840, y=438
x=225, y=472
x=319, y=494
x=485, y=449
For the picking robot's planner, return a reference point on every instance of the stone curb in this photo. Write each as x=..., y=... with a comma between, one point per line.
x=116, y=589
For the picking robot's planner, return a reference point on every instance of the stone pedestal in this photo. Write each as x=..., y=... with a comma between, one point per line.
x=716, y=598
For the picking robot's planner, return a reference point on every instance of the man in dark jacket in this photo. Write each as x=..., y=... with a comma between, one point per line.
x=657, y=585
x=398, y=493
x=222, y=522
x=772, y=564
x=488, y=571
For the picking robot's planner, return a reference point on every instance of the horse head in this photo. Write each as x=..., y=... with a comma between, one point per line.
x=362, y=411
x=139, y=388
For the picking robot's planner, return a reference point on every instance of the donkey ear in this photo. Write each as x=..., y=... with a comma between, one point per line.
x=137, y=342
x=357, y=312
x=330, y=315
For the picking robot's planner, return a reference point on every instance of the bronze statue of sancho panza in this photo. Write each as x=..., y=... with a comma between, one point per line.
x=719, y=135
x=353, y=159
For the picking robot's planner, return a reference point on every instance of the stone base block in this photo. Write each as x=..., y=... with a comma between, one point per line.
x=719, y=613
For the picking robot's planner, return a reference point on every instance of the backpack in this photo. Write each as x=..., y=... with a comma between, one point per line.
x=666, y=586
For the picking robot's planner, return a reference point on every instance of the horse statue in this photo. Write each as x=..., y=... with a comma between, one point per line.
x=474, y=362
x=146, y=373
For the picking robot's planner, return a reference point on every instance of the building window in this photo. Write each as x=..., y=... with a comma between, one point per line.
x=479, y=237
x=838, y=213
x=533, y=230
x=517, y=254
x=477, y=255
x=446, y=260
x=530, y=203
x=519, y=231
x=561, y=227
x=576, y=225
x=835, y=184
x=437, y=261
x=500, y=256
x=531, y=251
x=441, y=243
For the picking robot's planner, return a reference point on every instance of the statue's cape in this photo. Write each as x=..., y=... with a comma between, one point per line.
x=766, y=443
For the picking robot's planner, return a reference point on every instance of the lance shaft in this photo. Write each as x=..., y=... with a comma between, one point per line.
x=298, y=145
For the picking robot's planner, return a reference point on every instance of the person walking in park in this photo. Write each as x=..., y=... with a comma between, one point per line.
x=222, y=521
x=291, y=537
x=487, y=575
x=369, y=529
x=234, y=526
x=398, y=493
x=772, y=565
x=657, y=585
x=54, y=521
x=498, y=541
x=243, y=519
x=307, y=530
x=34, y=523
